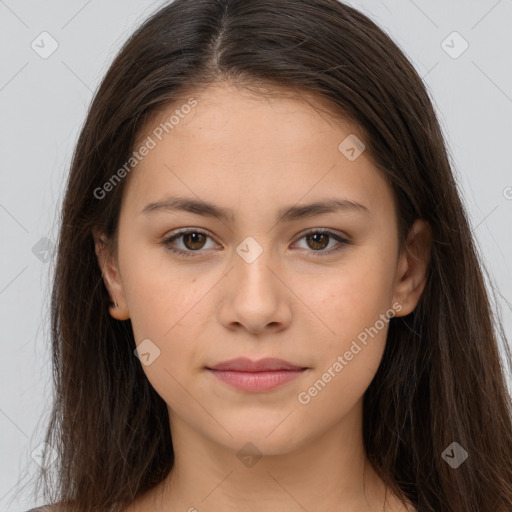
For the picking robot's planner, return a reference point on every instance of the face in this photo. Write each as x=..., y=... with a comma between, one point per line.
x=269, y=278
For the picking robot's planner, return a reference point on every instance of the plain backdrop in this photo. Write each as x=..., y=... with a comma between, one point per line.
x=462, y=49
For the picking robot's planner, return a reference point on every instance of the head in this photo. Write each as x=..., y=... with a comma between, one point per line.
x=253, y=282
x=250, y=112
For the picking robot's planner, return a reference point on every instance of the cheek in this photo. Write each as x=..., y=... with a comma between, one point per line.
x=158, y=292
x=166, y=309
x=354, y=298
x=355, y=305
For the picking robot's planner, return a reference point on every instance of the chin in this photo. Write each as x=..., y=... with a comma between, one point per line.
x=264, y=438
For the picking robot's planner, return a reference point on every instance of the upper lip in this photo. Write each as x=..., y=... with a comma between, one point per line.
x=243, y=364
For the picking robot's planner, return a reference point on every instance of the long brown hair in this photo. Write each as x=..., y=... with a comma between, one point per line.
x=441, y=379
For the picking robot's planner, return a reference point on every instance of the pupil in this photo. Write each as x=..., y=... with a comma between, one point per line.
x=193, y=236
x=316, y=242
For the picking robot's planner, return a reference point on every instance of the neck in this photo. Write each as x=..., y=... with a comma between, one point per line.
x=211, y=476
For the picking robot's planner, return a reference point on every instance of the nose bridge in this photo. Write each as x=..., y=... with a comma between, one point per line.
x=254, y=257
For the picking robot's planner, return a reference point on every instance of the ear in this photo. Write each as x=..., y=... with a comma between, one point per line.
x=412, y=267
x=111, y=277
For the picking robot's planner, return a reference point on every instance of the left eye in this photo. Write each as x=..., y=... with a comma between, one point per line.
x=318, y=240
x=193, y=241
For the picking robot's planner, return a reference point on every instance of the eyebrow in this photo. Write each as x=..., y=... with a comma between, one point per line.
x=287, y=214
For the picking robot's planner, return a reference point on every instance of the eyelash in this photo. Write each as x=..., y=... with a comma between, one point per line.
x=342, y=241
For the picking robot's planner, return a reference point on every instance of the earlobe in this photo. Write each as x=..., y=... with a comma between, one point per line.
x=117, y=305
x=412, y=267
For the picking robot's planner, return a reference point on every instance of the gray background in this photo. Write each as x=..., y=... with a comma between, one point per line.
x=43, y=102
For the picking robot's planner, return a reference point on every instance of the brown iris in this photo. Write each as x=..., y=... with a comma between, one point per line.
x=197, y=240
x=319, y=238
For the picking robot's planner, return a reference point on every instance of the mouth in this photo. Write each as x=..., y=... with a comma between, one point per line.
x=256, y=376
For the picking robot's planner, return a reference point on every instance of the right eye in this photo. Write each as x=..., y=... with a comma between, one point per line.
x=193, y=241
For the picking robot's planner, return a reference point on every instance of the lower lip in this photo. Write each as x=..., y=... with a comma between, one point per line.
x=257, y=381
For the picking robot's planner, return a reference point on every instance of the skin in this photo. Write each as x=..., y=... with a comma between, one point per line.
x=255, y=155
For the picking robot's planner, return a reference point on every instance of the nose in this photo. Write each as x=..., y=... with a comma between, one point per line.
x=255, y=297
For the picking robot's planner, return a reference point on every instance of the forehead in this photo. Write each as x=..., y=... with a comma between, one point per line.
x=272, y=111
x=251, y=148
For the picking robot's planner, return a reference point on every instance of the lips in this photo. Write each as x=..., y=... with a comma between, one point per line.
x=256, y=376
x=242, y=364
